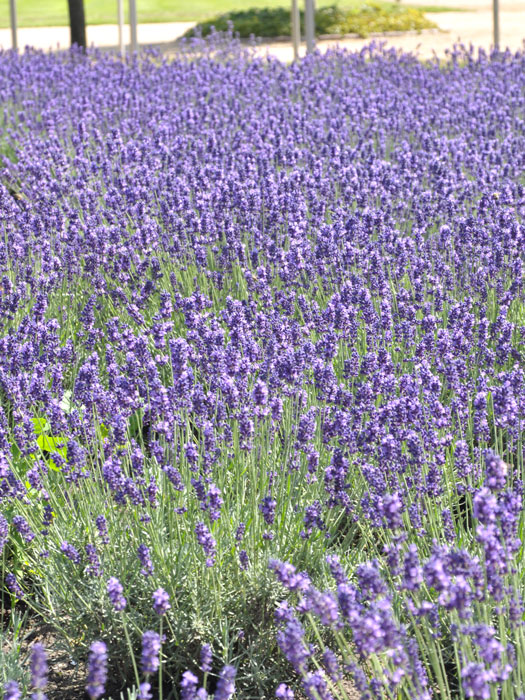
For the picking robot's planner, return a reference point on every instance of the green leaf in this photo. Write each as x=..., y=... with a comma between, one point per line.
x=66, y=404
x=41, y=425
x=50, y=443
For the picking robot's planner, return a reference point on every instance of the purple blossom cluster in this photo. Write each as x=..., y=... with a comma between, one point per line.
x=381, y=612
x=253, y=312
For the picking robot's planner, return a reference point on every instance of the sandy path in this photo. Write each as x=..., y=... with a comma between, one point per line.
x=473, y=26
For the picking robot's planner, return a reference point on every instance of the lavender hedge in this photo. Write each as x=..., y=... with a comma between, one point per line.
x=262, y=380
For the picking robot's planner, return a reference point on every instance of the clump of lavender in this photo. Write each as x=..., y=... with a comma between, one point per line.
x=288, y=299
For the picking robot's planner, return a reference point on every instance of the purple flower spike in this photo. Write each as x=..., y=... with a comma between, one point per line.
x=207, y=542
x=115, y=591
x=496, y=471
x=283, y=692
x=4, y=527
x=476, y=681
x=70, y=552
x=161, y=601
x=39, y=670
x=145, y=691
x=97, y=670
x=151, y=646
x=288, y=575
x=12, y=691
x=225, y=685
x=188, y=686
x=206, y=658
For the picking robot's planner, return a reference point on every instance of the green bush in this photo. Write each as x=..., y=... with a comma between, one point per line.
x=362, y=20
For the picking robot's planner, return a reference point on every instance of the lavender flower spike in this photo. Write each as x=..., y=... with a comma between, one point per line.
x=225, y=685
x=151, y=645
x=161, y=601
x=12, y=691
x=97, y=670
x=115, y=590
x=38, y=671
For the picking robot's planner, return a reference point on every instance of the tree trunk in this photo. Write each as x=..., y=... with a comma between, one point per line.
x=77, y=23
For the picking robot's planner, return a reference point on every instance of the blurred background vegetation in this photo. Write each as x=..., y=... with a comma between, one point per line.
x=35, y=13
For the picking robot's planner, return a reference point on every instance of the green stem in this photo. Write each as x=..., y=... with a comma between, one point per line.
x=160, y=661
x=130, y=647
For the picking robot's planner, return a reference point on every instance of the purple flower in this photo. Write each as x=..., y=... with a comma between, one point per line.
x=115, y=591
x=324, y=605
x=22, y=527
x=291, y=643
x=288, y=576
x=145, y=691
x=267, y=508
x=244, y=560
x=206, y=658
x=144, y=556
x=370, y=581
x=331, y=665
x=284, y=692
x=496, y=471
x=4, y=528
x=161, y=601
x=188, y=686
x=412, y=571
x=260, y=393
x=151, y=646
x=97, y=670
x=485, y=506
x=12, y=691
x=70, y=552
x=102, y=528
x=205, y=539
x=13, y=585
x=476, y=681
x=336, y=568
x=316, y=687
x=225, y=685
x=38, y=665
x=94, y=567
x=391, y=509
x=239, y=533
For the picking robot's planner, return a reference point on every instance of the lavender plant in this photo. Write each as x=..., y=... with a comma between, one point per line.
x=264, y=325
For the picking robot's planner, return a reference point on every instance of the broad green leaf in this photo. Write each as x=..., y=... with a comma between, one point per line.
x=51, y=443
x=41, y=425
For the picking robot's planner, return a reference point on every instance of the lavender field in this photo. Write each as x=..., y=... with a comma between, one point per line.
x=262, y=376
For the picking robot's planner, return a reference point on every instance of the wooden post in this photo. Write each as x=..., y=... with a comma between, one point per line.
x=120, y=13
x=495, y=14
x=133, y=25
x=296, y=29
x=12, y=12
x=309, y=25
